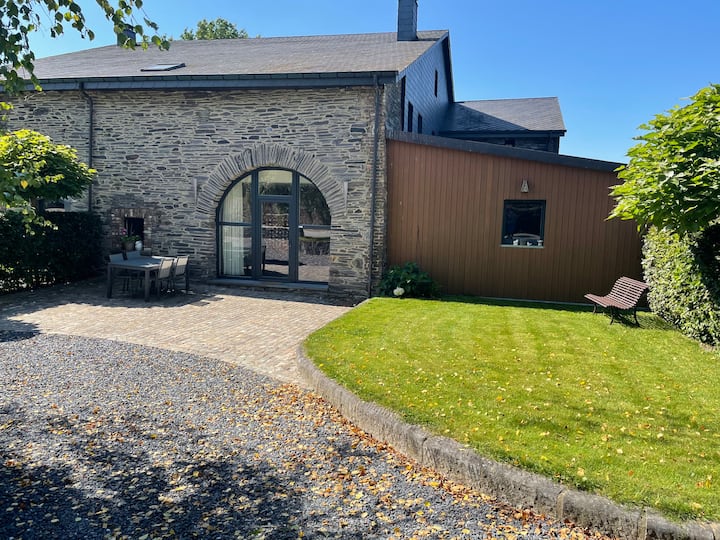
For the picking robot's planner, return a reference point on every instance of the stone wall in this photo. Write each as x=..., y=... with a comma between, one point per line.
x=170, y=155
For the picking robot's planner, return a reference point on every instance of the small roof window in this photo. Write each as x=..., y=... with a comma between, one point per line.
x=164, y=67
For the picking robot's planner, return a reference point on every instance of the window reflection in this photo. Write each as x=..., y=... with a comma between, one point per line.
x=524, y=223
x=274, y=182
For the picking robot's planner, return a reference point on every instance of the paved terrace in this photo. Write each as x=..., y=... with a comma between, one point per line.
x=255, y=329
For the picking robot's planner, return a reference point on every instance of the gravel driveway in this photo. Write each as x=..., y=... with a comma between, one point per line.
x=100, y=439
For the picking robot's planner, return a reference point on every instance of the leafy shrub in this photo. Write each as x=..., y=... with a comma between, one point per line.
x=683, y=274
x=408, y=281
x=34, y=168
x=673, y=180
x=38, y=256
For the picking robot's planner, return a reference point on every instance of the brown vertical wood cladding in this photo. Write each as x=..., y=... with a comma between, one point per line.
x=445, y=212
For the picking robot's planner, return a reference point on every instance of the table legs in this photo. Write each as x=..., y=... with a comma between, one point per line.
x=147, y=285
x=109, y=285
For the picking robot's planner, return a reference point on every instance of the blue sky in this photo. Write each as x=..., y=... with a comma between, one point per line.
x=613, y=64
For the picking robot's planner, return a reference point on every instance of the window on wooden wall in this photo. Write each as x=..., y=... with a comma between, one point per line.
x=411, y=112
x=523, y=223
x=420, y=123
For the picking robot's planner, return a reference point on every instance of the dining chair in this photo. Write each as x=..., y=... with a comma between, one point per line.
x=180, y=272
x=163, y=275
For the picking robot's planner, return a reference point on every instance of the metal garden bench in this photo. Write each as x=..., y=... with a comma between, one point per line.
x=624, y=295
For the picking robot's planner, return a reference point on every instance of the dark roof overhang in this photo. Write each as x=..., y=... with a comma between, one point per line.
x=499, y=134
x=219, y=82
x=505, y=151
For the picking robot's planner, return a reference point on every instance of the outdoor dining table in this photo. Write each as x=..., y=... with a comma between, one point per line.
x=136, y=264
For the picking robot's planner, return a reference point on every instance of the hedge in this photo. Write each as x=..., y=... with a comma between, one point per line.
x=683, y=274
x=45, y=256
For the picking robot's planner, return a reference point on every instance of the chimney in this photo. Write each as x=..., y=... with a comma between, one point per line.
x=407, y=20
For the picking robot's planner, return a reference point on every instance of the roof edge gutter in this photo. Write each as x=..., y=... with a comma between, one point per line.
x=91, y=137
x=373, y=187
x=292, y=80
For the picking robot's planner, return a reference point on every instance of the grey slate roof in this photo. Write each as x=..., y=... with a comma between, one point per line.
x=505, y=116
x=323, y=56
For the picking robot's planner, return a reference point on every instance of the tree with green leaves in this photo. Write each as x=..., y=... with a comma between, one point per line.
x=673, y=178
x=21, y=18
x=39, y=170
x=217, y=29
x=672, y=189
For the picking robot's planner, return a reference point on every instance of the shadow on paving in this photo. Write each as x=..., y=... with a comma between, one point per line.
x=92, y=292
x=41, y=502
x=96, y=489
x=21, y=332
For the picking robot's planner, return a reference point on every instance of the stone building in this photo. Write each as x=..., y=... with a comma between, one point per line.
x=263, y=159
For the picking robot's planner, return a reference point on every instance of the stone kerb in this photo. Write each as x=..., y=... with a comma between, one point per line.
x=269, y=155
x=506, y=483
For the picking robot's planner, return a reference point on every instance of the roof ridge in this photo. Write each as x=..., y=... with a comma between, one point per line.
x=327, y=56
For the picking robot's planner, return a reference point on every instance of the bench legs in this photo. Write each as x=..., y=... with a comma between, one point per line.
x=615, y=312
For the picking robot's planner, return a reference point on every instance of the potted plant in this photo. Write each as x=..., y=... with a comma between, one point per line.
x=128, y=240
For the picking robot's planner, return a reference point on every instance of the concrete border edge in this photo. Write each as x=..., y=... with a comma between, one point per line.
x=506, y=483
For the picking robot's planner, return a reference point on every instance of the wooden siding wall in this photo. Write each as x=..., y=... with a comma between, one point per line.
x=445, y=212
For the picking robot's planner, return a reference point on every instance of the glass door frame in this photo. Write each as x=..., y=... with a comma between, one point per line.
x=293, y=231
x=257, y=200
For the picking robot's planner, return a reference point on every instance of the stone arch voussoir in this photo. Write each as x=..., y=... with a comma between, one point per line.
x=269, y=155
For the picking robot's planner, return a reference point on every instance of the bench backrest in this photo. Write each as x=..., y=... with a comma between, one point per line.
x=628, y=289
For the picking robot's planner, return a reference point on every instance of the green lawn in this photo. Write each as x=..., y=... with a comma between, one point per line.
x=630, y=413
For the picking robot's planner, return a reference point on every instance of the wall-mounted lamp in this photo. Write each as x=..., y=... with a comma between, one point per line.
x=524, y=187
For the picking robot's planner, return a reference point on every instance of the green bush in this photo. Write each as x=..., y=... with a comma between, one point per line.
x=44, y=255
x=408, y=281
x=683, y=274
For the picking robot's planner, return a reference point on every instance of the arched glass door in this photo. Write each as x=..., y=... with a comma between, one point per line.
x=274, y=224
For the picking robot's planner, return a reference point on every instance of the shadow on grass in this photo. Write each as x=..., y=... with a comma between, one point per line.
x=528, y=304
x=647, y=319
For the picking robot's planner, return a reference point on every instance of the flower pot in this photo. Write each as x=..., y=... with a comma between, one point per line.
x=128, y=246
